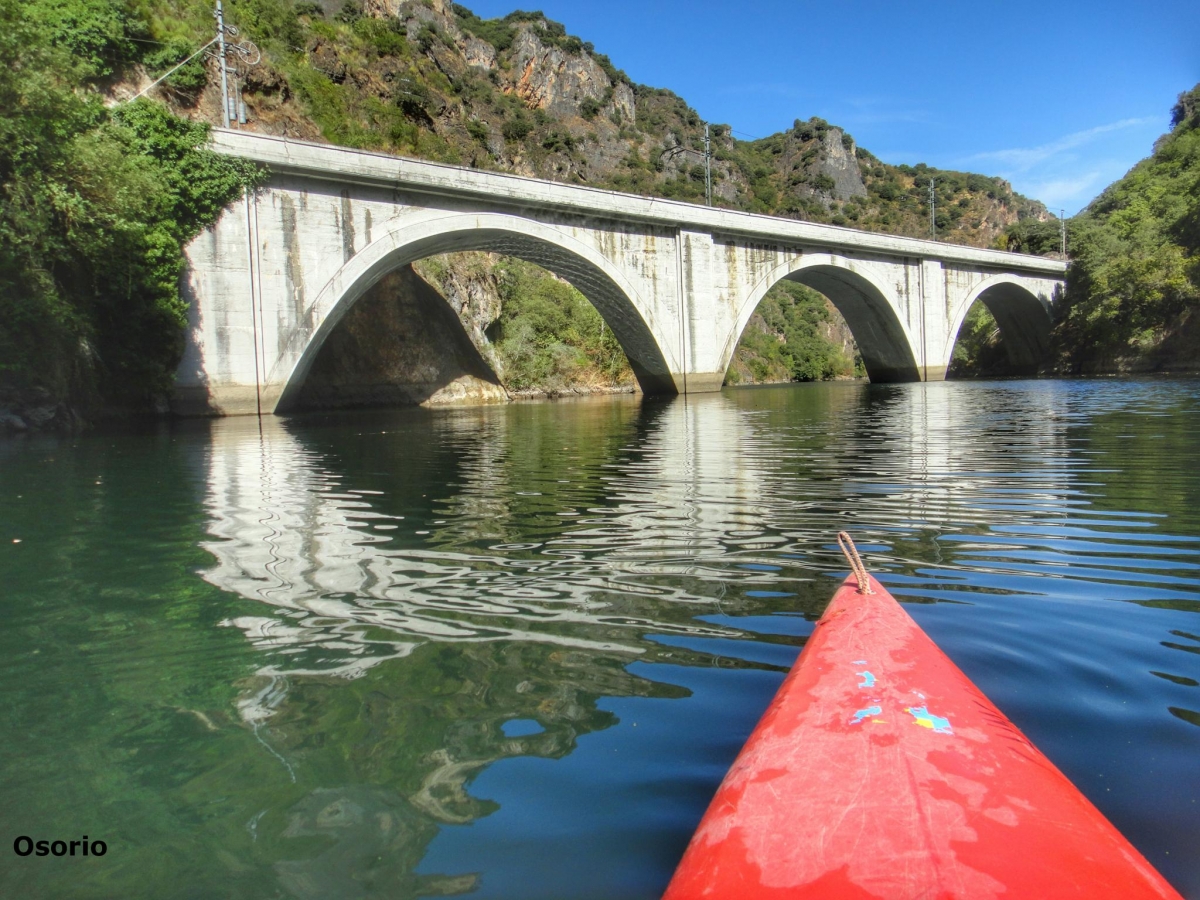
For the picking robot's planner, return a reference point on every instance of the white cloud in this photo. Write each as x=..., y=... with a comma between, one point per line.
x=1065, y=193
x=1068, y=172
x=1022, y=159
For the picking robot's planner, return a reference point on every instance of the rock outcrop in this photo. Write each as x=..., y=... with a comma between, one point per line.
x=560, y=82
x=839, y=162
x=432, y=80
x=400, y=345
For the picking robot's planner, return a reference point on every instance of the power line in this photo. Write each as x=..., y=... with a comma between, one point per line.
x=173, y=70
x=232, y=105
x=246, y=53
x=224, y=71
x=678, y=149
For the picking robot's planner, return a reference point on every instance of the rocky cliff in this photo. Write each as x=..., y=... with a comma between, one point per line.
x=399, y=345
x=432, y=80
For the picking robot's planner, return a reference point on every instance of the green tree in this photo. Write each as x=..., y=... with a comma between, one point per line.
x=96, y=209
x=1135, y=268
x=549, y=336
x=786, y=340
x=1039, y=238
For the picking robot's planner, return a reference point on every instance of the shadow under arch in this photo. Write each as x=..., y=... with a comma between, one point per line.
x=617, y=301
x=1022, y=316
x=883, y=341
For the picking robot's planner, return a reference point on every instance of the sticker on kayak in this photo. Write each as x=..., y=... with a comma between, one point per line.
x=868, y=680
x=926, y=719
x=865, y=714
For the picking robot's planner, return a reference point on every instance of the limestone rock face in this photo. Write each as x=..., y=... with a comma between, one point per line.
x=400, y=344
x=606, y=154
x=468, y=283
x=623, y=102
x=839, y=162
x=379, y=9
x=435, y=11
x=450, y=97
x=479, y=54
x=555, y=81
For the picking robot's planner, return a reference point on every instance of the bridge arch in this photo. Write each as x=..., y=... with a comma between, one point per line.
x=407, y=241
x=863, y=301
x=1022, y=316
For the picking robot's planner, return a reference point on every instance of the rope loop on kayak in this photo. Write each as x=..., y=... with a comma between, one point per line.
x=856, y=563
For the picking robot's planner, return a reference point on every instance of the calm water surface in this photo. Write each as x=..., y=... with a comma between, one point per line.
x=511, y=651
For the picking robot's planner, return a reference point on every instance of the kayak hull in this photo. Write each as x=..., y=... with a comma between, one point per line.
x=881, y=771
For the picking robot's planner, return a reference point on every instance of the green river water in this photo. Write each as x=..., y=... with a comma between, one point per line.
x=511, y=651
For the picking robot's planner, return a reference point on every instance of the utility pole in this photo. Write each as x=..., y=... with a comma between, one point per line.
x=707, y=168
x=221, y=58
x=932, y=211
x=247, y=55
x=1062, y=223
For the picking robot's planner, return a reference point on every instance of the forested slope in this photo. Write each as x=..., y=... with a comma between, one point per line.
x=1134, y=282
x=97, y=204
x=431, y=79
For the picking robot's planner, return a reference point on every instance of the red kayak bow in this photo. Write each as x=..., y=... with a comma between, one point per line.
x=881, y=771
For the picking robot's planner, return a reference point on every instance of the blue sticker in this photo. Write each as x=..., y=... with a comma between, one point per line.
x=868, y=680
x=865, y=713
x=927, y=720
x=521, y=727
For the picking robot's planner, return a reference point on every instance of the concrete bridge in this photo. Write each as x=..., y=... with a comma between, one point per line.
x=675, y=282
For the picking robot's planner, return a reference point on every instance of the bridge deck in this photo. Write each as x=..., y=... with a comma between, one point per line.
x=345, y=165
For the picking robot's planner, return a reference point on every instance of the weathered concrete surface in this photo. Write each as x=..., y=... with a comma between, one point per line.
x=677, y=283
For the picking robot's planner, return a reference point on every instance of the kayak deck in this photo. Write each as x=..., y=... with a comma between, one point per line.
x=881, y=770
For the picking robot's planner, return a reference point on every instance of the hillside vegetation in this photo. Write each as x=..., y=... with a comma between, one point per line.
x=97, y=205
x=431, y=79
x=1133, y=285
x=1134, y=282
x=520, y=94
x=100, y=198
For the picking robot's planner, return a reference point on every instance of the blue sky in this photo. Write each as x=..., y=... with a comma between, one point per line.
x=1060, y=98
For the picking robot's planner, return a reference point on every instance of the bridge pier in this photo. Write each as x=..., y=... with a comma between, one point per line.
x=697, y=382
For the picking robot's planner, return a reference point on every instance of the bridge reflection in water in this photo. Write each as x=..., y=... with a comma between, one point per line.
x=359, y=584
x=420, y=581
x=523, y=573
